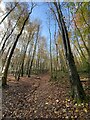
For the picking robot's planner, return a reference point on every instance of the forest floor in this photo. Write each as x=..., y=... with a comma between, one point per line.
x=37, y=97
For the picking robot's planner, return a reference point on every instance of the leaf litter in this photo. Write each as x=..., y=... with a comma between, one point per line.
x=37, y=97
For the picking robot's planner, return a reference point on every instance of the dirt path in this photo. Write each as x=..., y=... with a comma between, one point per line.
x=36, y=97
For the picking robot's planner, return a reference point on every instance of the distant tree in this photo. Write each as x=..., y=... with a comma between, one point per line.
x=51, y=66
x=34, y=51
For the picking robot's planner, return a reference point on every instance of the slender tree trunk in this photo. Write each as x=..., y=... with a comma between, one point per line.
x=8, y=13
x=2, y=49
x=38, y=66
x=80, y=47
x=86, y=22
x=87, y=49
x=56, y=45
x=78, y=53
x=29, y=60
x=76, y=86
x=5, y=69
x=5, y=58
x=30, y=68
x=22, y=65
x=51, y=69
x=62, y=62
x=3, y=37
x=56, y=59
x=30, y=49
x=76, y=60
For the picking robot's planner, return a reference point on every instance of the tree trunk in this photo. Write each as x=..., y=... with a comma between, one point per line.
x=8, y=13
x=80, y=47
x=5, y=69
x=30, y=68
x=2, y=49
x=76, y=86
x=87, y=49
x=29, y=60
x=51, y=69
x=3, y=37
x=22, y=65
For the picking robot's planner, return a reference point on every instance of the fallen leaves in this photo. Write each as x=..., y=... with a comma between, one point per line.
x=38, y=98
x=57, y=100
x=46, y=103
x=85, y=110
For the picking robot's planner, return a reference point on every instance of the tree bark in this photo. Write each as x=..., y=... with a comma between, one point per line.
x=22, y=65
x=2, y=49
x=51, y=68
x=5, y=69
x=3, y=37
x=8, y=13
x=76, y=86
x=30, y=68
x=87, y=49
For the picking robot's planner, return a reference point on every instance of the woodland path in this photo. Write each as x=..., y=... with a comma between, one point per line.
x=37, y=97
